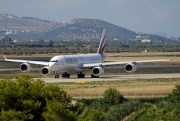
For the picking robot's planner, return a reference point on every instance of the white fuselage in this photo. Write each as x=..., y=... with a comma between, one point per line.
x=72, y=63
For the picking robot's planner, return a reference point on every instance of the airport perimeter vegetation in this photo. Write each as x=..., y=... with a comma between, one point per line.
x=29, y=99
x=84, y=46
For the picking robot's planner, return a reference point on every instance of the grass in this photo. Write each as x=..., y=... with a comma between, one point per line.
x=97, y=88
x=126, y=87
x=12, y=73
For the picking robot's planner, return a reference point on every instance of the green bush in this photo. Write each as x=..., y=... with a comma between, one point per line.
x=24, y=98
x=113, y=97
x=119, y=112
x=174, y=97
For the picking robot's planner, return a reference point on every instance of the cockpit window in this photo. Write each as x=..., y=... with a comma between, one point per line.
x=54, y=61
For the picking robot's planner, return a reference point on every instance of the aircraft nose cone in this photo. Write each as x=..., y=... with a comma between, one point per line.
x=52, y=66
x=55, y=64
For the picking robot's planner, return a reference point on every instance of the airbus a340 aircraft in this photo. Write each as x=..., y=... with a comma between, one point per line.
x=67, y=64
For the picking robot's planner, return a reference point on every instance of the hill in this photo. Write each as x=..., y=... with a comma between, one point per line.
x=14, y=24
x=90, y=29
x=29, y=28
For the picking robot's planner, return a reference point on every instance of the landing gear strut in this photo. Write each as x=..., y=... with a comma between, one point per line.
x=56, y=75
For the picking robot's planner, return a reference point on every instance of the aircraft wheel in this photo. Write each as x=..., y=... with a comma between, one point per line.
x=80, y=75
x=68, y=75
x=56, y=76
x=65, y=75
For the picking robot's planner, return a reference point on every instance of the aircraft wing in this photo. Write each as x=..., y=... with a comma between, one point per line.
x=27, y=61
x=121, y=63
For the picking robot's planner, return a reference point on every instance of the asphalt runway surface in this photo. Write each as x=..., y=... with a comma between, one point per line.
x=112, y=77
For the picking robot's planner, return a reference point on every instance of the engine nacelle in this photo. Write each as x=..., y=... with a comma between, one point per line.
x=45, y=71
x=96, y=71
x=130, y=67
x=25, y=67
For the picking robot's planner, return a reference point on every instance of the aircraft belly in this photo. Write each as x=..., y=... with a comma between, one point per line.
x=71, y=69
x=68, y=68
x=80, y=70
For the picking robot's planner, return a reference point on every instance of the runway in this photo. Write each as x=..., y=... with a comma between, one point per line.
x=112, y=77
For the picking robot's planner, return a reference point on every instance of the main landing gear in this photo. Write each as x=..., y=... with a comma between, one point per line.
x=65, y=75
x=80, y=75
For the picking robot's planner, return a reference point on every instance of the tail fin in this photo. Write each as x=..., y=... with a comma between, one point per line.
x=102, y=43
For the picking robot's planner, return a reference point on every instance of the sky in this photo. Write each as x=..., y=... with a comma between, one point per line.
x=148, y=16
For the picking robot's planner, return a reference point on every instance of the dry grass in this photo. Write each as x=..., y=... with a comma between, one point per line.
x=150, y=86
x=176, y=60
x=145, y=56
x=11, y=73
x=145, y=53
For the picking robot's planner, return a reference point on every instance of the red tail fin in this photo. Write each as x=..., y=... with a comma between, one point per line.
x=102, y=43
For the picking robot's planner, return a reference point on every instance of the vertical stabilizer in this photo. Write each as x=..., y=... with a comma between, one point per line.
x=102, y=43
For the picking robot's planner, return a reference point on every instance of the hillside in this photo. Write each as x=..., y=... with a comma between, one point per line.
x=14, y=24
x=90, y=29
x=29, y=28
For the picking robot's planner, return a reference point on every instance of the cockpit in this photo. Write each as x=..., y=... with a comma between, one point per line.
x=54, y=61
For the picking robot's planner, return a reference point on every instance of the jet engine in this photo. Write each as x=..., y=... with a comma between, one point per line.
x=96, y=71
x=130, y=67
x=45, y=71
x=25, y=67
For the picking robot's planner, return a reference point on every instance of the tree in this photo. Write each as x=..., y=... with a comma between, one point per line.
x=57, y=111
x=51, y=43
x=113, y=97
x=94, y=115
x=118, y=112
x=24, y=98
x=174, y=97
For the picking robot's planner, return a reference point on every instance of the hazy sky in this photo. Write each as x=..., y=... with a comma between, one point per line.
x=138, y=15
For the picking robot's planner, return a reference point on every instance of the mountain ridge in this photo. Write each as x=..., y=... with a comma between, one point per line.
x=90, y=29
x=15, y=23
x=29, y=28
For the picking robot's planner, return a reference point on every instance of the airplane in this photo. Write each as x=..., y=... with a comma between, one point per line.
x=79, y=63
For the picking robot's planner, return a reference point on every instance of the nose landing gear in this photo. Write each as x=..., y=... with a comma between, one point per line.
x=56, y=75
